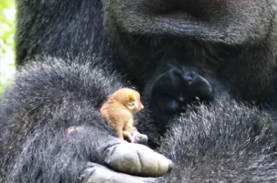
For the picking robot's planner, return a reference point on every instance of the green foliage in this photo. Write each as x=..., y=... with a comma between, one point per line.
x=7, y=29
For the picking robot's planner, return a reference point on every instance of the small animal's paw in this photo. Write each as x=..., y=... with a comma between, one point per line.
x=139, y=138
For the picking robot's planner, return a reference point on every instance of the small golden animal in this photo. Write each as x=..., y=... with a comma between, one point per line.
x=119, y=110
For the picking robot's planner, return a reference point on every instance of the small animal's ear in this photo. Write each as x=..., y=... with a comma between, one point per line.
x=131, y=98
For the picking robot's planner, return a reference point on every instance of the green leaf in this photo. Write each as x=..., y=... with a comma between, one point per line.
x=7, y=55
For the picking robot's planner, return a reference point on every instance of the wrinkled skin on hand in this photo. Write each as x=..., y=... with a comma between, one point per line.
x=129, y=158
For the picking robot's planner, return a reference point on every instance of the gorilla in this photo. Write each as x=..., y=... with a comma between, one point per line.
x=206, y=71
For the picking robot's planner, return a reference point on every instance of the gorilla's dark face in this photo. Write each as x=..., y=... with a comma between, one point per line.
x=181, y=50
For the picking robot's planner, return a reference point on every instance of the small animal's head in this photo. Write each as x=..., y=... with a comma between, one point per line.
x=129, y=98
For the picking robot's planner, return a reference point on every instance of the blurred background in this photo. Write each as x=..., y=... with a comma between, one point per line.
x=7, y=29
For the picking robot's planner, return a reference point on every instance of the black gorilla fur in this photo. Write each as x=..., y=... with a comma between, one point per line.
x=218, y=147
x=224, y=141
x=45, y=102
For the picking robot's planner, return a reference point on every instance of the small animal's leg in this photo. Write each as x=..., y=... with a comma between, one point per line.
x=119, y=133
x=128, y=129
x=129, y=126
x=128, y=136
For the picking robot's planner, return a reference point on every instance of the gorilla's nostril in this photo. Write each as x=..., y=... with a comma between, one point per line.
x=181, y=99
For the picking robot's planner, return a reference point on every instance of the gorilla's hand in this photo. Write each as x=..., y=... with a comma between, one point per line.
x=176, y=87
x=112, y=155
x=98, y=173
x=128, y=158
x=172, y=90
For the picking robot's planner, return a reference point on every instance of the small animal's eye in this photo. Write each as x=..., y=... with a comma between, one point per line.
x=132, y=103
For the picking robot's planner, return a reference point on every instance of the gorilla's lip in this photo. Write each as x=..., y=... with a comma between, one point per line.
x=179, y=25
x=164, y=26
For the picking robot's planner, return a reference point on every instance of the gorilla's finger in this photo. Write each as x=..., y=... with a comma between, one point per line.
x=139, y=138
x=136, y=159
x=100, y=174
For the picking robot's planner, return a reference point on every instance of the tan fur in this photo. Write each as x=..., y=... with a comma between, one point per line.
x=118, y=112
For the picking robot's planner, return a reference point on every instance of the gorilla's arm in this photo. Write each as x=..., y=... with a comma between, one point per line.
x=48, y=97
x=225, y=142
